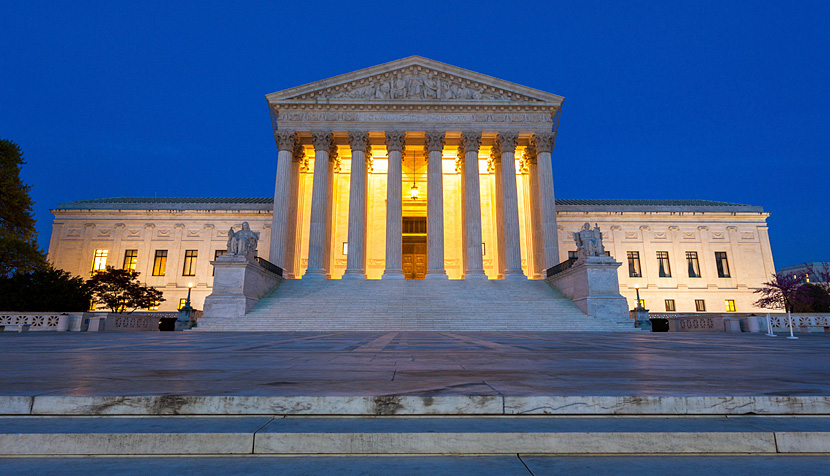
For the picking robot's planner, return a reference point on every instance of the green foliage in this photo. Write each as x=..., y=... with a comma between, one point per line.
x=44, y=290
x=19, y=252
x=119, y=290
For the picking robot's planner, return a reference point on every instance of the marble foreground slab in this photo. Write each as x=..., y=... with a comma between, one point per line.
x=412, y=405
x=177, y=435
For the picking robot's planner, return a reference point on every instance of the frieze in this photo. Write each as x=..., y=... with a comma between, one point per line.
x=346, y=116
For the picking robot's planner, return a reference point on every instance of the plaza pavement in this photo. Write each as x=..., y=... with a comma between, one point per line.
x=413, y=364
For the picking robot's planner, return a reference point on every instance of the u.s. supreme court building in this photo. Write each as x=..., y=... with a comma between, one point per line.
x=418, y=192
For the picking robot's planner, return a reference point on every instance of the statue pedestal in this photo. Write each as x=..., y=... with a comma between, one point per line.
x=238, y=283
x=592, y=284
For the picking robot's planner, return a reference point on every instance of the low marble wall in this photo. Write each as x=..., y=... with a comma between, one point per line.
x=592, y=285
x=238, y=284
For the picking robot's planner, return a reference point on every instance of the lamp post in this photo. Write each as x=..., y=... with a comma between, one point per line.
x=187, y=301
x=640, y=313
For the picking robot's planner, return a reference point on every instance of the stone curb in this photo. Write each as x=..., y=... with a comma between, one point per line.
x=412, y=405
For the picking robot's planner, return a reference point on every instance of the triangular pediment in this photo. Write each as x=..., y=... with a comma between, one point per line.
x=414, y=80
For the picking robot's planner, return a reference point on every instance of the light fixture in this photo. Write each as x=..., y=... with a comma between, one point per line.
x=413, y=192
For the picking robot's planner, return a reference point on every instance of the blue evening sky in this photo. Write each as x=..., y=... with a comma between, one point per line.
x=672, y=100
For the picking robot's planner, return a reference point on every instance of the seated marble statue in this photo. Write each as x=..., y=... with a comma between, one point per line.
x=589, y=242
x=243, y=242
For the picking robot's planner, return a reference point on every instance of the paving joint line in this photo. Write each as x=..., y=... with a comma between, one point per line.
x=524, y=464
x=253, y=435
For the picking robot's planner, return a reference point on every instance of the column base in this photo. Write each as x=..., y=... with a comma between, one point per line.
x=475, y=275
x=393, y=274
x=436, y=274
x=315, y=273
x=354, y=274
x=514, y=275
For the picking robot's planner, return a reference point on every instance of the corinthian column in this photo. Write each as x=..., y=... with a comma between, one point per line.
x=434, y=144
x=473, y=269
x=293, y=204
x=286, y=142
x=547, y=202
x=394, y=206
x=537, y=253
x=510, y=207
x=318, y=229
x=356, y=259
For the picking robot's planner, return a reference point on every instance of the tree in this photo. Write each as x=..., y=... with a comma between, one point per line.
x=44, y=290
x=119, y=289
x=811, y=298
x=780, y=292
x=19, y=252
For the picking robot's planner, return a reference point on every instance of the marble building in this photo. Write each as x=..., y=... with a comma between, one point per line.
x=416, y=169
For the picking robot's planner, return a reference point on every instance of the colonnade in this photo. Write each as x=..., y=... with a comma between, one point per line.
x=544, y=250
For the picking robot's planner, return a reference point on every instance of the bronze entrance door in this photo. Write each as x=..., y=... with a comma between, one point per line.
x=414, y=247
x=414, y=258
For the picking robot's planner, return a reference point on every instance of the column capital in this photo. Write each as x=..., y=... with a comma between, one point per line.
x=286, y=140
x=470, y=141
x=298, y=154
x=529, y=155
x=434, y=141
x=322, y=140
x=506, y=142
x=495, y=153
x=359, y=141
x=543, y=141
x=395, y=140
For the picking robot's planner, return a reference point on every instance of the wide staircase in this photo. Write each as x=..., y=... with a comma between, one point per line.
x=425, y=305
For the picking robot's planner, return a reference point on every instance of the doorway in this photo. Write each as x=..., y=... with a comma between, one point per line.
x=414, y=247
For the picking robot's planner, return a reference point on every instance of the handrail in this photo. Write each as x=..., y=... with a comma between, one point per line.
x=561, y=267
x=269, y=266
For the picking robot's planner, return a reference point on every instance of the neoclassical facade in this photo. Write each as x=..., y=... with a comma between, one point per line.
x=420, y=170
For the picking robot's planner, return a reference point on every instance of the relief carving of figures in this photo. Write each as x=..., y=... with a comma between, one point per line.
x=589, y=242
x=417, y=85
x=243, y=242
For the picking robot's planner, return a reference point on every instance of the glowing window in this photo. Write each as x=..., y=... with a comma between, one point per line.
x=730, y=305
x=130, y=259
x=700, y=305
x=154, y=307
x=634, y=264
x=160, y=263
x=99, y=261
x=182, y=302
x=670, y=305
x=190, y=263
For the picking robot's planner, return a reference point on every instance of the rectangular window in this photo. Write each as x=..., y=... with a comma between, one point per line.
x=154, y=307
x=693, y=264
x=189, y=263
x=130, y=259
x=700, y=305
x=642, y=303
x=634, y=264
x=182, y=303
x=216, y=254
x=669, y=305
x=160, y=263
x=663, y=261
x=730, y=305
x=722, y=263
x=572, y=255
x=607, y=253
x=99, y=262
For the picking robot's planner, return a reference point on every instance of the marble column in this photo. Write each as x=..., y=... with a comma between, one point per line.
x=331, y=205
x=498, y=210
x=474, y=269
x=509, y=233
x=356, y=259
x=537, y=251
x=434, y=145
x=547, y=202
x=286, y=141
x=395, y=142
x=290, y=270
x=319, y=224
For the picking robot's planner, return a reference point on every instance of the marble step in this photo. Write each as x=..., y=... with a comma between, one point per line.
x=177, y=435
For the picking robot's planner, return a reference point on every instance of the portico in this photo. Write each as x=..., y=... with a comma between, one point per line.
x=349, y=147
